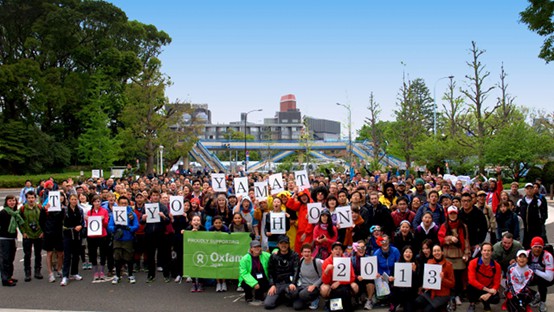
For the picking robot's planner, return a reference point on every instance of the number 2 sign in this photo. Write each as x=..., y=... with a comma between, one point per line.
x=341, y=269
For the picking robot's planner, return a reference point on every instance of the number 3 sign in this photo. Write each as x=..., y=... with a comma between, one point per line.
x=432, y=276
x=341, y=269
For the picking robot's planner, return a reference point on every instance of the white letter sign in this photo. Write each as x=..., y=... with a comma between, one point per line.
x=402, y=274
x=54, y=201
x=95, y=174
x=341, y=269
x=344, y=217
x=176, y=205
x=119, y=215
x=276, y=183
x=218, y=182
x=152, y=213
x=432, y=276
x=94, y=225
x=368, y=267
x=260, y=189
x=277, y=223
x=314, y=211
x=241, y=186
x=302, y=180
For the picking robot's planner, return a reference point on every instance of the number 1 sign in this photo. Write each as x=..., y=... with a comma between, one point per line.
x=402, y=274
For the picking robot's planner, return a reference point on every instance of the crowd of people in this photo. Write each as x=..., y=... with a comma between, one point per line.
x=491, y=243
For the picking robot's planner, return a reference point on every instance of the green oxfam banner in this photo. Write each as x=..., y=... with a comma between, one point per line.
x=214, y=254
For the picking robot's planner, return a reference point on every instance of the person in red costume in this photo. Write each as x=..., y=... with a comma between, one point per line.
x=299, y=203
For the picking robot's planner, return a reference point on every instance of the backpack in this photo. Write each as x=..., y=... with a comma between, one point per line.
x=297, y=275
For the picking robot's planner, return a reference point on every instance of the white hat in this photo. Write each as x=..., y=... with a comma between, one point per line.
x=522, y=252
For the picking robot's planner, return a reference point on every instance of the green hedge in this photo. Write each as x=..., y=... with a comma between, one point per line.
x=14, y=181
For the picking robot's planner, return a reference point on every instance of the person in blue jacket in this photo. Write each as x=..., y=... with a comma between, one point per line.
x=123, y=238
x=387, y=256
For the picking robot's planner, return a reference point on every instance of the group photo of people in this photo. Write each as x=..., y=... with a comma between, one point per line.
x=487, y=245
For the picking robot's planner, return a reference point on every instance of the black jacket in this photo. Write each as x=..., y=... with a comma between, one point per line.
x=282, y=267
x=476, y=223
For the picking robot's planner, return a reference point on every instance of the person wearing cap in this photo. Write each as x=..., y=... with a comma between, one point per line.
x=484, y=276
x=542, y=264
x=253, y=274
x=338, y=289
x=453, y=237
x=475, y=221
x=282, y=266
x=518, y=280
x=529, y=208
x=489, y=216
x=401, y=191
x=434, y=207
x=419, y=190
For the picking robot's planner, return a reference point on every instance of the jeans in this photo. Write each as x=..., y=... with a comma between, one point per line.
x=28, y=246
x=71, y=253
x=7, y=256
x=258, y=293
x=94, y=244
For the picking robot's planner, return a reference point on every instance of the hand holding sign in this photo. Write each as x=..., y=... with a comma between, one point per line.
x=368, y=267
x=314, y=211
x=432, y=276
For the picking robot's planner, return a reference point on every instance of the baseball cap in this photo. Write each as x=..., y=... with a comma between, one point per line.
x=522, y=252
x=452, y=209
x=284, y=239
x=528, y=185
x=255, y=243
x=337, y=244
x=537, y=241
x=401, y=183
x=481, y=193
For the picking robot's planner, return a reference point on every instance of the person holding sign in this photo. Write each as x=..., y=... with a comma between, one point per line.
x=325, y=234
x=361, y=251
x=155, y=219
x=387, y=256
x=72, y=225
x=406, y=296
x=97, y=242
x=253, y=274
x=484, y=276
x=51, y=223
x=123, y=227
x=273, y=239
x=299, y=203
x=338, y=289
x=282, y=266
x=434, y=300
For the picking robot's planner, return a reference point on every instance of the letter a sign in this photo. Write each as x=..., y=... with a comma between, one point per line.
x=241, y=186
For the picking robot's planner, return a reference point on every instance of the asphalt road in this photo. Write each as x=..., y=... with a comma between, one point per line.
x=158, y=296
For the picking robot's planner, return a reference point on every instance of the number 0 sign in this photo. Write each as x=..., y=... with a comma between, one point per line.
x=431, y=276
x=341, y=269
x=368, y=267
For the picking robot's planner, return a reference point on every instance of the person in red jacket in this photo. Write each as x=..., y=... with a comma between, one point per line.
x=98, y=242
x=435, y=300
x=335, y=289
x=484, y=276
x=299, y=203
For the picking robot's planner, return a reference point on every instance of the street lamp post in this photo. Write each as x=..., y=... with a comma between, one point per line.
x=435, y=103
x=245, y=150
x=161, y=160
x=347, y=106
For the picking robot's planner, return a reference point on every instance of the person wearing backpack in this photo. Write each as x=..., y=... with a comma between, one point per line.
x=484, y=276
x=308, y=280
x=542, y=264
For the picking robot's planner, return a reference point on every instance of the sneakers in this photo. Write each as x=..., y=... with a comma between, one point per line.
x=178, y=279
x=458, y=300
x=58, y=274
x=38, y=275
x=75, y=277
x=101, y=276
x=159, y=269
x=150, y=279
x=504, y=306
x=471, y=308
x=368, y=305
x=64, y=281
x=542, y=307
x=194, y=288
x=199, y=288
x=223, y=287
x=132, y=279
x=27, y=278
x=240, y=289
x=189, y=280
x=96, y=276
x=51, y=278
x=115, y=280
x=218, y=287
x=84, y=266
x=314, y=305
x=9, y=283
x=255, y=303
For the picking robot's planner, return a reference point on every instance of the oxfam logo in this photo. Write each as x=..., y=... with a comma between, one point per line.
x=200, y=258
